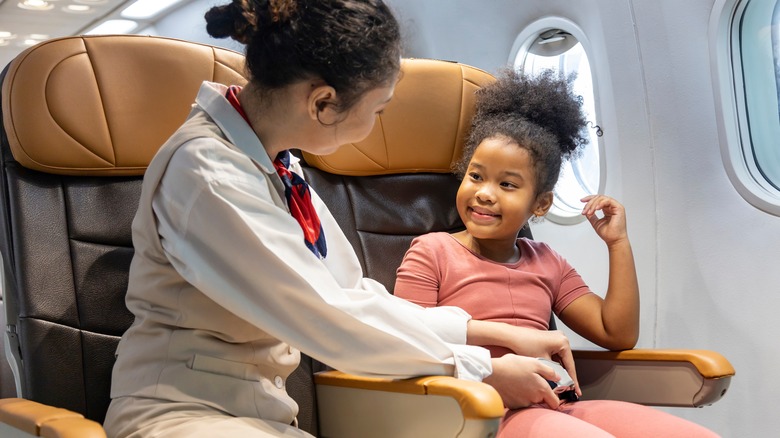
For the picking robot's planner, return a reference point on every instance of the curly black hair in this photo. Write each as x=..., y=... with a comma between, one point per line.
x=353, y=45
x=539, y=113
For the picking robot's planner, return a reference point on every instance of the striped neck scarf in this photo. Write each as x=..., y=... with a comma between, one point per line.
x=296, y=191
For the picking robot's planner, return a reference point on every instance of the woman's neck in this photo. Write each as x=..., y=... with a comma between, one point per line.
x=270, y=117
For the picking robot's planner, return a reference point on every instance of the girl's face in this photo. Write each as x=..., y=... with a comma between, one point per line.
x=497, y=195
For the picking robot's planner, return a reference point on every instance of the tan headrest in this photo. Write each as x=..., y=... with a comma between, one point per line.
x=103, y=105
x=424, y=127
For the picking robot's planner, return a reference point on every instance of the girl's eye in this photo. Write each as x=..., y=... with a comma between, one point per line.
x=509, y=185
x=475, y=176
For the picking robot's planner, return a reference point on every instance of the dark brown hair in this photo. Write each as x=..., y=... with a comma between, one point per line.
x=540, y=113
x=353, y=45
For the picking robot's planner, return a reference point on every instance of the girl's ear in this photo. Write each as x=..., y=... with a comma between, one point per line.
x=321, y=104
x=543, y=203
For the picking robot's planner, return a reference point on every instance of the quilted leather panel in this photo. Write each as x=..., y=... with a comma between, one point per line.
x=100, y=274
x=101, y=210
x=41, y=249
x=58, y=376
x=98, y=349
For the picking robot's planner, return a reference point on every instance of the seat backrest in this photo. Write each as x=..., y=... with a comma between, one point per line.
x=82, y=117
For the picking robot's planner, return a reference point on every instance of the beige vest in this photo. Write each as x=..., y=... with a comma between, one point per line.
x=183, y=346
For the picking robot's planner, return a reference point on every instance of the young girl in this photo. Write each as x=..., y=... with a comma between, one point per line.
x=239, y=267
x=523, y=128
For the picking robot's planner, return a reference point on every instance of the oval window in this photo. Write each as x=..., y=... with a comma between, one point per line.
x=559, y=49
x=745, y=48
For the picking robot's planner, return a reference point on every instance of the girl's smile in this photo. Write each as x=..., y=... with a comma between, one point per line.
x=497, y=197
x=480, y=214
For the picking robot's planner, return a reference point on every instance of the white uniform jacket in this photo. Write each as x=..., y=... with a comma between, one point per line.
x=225, y=293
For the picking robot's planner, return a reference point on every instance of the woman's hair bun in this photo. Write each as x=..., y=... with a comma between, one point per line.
x=351, y=45
x=235, y=20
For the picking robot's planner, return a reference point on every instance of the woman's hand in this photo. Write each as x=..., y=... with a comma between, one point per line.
x=522, y=381
x=611, y=227
x=549, y=344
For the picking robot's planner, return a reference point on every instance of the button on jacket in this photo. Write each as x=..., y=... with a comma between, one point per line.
x=225, y=293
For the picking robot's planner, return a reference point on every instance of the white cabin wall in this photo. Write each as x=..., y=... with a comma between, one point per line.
x=707, y=260
x=718, y=255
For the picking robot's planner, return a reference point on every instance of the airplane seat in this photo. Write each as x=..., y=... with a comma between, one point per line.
x=82, y=118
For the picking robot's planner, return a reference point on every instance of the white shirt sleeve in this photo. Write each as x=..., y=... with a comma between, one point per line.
x=225, y=235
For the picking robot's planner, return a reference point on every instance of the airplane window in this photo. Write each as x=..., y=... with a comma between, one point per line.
x=561, y=51
x=745, y=46
x=759, y=49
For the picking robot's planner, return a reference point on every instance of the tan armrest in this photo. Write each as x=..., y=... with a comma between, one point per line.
x=354, y=406
x=46, y=421
x=689, y=378
x=477, y=400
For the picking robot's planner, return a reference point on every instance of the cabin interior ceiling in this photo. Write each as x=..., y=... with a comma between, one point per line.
x=53, y=23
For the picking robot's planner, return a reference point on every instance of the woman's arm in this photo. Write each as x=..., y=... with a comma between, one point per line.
x=612, y=322
x=226, y=236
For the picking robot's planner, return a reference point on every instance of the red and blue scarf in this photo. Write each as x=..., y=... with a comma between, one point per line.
x=296, y=191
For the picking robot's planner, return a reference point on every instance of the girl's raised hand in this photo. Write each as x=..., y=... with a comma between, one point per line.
x=611, y=227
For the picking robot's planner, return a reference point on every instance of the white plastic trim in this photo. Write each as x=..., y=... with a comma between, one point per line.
x=520, y=47
x=726, y=77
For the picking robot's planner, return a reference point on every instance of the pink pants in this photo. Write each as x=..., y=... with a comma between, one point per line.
x=597, y=418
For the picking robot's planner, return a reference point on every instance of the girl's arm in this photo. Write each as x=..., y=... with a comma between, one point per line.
x=521, y=340
x=611, y=322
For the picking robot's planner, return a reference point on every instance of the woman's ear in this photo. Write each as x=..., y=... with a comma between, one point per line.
x=321, y=104
x=543, y=203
